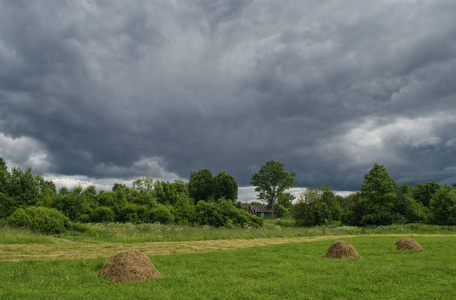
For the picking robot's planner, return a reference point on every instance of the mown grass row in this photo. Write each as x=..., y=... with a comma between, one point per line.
x=292, y=271
x=138, y=233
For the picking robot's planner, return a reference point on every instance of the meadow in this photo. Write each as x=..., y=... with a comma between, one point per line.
x=295, y=269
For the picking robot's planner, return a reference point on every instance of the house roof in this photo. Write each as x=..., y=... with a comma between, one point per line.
x=259, y=208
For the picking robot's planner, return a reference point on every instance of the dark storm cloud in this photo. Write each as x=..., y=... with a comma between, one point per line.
x=161, y=88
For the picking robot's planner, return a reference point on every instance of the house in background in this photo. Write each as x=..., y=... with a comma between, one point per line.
x=259, y=211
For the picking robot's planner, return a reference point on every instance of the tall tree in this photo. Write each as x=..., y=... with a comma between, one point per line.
x=378, y=197
x=201, y=185
x=23, y=187
x=271, y=181
x=144, y=185
x=443, y=207
x=3, y=176
x=225, y=187
x=423, y=192
x=310, y=210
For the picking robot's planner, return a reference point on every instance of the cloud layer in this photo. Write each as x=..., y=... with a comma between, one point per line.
x=108, y=89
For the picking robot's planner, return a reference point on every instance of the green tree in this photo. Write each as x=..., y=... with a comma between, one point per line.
x=181, y=187
x=378, y=197
x=73, y=205
x=311, y=209
x=63, y=191
x=7, y=205
x=352, y=212
x=271, y=181
x=408, y=209
x=328, y=197
x=23, y=187
x=281, y=211
x=144, y=199
x=225, y=187
x=90, y=193
x=144, y=185
x=4, y=175
x=165, y=192
x=443, y=207
x=184, y=210
x=201, y=185
x=102, y=214
x=286, y=200
x=161, y=214
x=48, y=191
x=423, y=192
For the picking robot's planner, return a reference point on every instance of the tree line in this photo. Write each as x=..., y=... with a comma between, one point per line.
x=213, y=200
x=380, y=201
x=204, y=200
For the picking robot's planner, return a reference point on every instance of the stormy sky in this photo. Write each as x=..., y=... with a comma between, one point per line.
x=110, y=91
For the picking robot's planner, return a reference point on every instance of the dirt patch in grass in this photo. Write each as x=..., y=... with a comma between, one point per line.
x=77, y=251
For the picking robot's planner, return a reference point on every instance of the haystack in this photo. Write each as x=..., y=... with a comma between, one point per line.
x=341, y=249
x=129, y=265
x=407, y=244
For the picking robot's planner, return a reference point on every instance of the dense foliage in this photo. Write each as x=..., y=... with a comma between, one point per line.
x=380, y=201
x=27, y=200
x=317, y=207
x=205, y=200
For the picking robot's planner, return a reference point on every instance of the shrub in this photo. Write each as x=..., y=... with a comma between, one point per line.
x=129, y=213
x=161, y=214
x=45, y=220
x=281, y=211
x=255, y=221
x=209, y=214
x=73, y=206
x=184, y=210
x=224, y=214
x=311, y=214
x=102, y=214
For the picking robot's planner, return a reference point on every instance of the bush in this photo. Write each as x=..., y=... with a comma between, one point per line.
x=209, y=214
x=184, y=210
x=102, y=214
x=132, y=213
x=161, y=214
x=311, y=214
x=281, y=211
x=45, y=220
x=254, y=220
x=224, y=214
x=73, y=206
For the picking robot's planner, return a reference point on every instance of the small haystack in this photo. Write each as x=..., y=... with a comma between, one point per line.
x=341, y=249
x=129, y=265
x=407, y=244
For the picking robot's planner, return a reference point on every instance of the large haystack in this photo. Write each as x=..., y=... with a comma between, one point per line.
x=341, y=249
x=129, y=265
x=407, y=244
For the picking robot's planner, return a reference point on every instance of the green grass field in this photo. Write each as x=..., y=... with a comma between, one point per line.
x=140, y=233
x=290, y=271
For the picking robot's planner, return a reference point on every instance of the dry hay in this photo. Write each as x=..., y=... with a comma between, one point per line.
x=407, y=244
x=341, y=249
x=129, y=265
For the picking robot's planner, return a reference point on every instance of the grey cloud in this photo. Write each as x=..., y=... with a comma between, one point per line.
x=106, y=86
